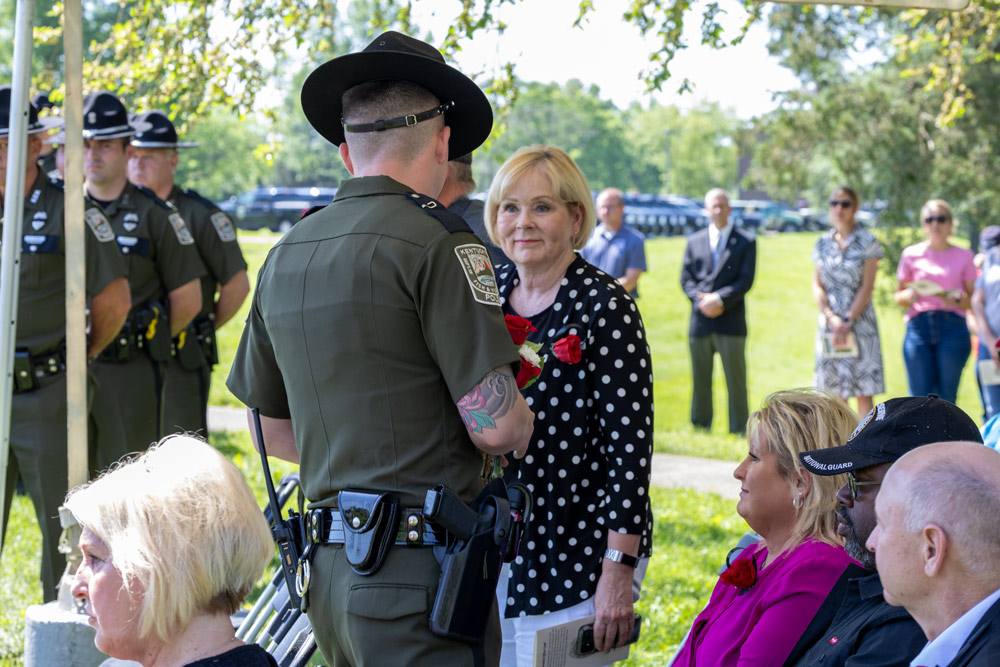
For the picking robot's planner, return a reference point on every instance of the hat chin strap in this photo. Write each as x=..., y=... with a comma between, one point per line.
x=402, y=121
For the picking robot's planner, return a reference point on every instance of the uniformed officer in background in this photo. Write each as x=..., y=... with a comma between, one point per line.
x=152, y=164
x=376, y=332
x=38, y=426
x=164, y=273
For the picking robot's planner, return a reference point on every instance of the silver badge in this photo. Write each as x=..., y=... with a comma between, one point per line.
x=130, y=226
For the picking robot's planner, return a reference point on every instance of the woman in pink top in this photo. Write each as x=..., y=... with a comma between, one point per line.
x=936, y=280
x=766, y=598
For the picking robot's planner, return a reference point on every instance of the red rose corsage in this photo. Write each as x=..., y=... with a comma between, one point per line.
x=531, y=362
x=741, y=573
x=567, y=349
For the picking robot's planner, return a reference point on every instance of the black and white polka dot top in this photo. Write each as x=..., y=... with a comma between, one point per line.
x=588, y=465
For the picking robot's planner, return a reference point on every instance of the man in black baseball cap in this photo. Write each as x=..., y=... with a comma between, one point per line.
x=152, y=163
x=375, y=328
x=855, y=625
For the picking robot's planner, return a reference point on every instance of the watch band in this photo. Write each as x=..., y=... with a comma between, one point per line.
x=620, y=557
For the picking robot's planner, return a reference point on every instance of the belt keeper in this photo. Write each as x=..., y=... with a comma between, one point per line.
x=414, y=527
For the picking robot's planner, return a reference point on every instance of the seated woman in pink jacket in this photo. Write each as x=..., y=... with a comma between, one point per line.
x=769, y=593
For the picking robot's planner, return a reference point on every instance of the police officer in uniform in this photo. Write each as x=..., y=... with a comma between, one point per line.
x=152, y=164
x=38, y=426
x=376, y=349
x=164, y=273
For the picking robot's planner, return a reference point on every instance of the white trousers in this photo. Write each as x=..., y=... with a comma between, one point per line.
x=519, y=632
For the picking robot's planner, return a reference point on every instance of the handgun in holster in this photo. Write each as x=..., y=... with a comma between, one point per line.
x=153, y=331
x=479, y=538
x=204, y=328
x=187, y=349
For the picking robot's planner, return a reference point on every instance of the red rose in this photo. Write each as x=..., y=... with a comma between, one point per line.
x=741, y=574
x=567, y=350
x=518, y=328
x=527, y=374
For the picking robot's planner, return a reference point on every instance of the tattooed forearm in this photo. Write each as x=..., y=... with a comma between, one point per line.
x=489, y=400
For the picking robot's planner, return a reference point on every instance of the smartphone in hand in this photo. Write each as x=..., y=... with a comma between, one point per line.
x=585, y=638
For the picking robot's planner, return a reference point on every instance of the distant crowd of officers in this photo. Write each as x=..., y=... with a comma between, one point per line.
x=163, y=272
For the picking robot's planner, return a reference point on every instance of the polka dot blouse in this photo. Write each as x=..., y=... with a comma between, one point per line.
x=588, y=465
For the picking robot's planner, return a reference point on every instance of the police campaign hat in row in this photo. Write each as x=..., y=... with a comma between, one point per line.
x=35, y=124
x=159, y=134
x=891, y=429
x=105, y=117
x=397, y=57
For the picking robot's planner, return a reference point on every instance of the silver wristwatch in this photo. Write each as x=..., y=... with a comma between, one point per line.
x=619, y=557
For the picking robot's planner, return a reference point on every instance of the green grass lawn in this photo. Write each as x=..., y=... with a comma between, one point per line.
x=693, y=531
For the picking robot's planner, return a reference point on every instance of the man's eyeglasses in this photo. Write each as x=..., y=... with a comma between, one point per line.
x=853, y=483
x=834, y=203
x=940, y=219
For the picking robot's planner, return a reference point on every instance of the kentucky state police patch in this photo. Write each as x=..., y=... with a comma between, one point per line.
x=180, y=229
x=475, y=263
x=223, y=226
x=99, y=225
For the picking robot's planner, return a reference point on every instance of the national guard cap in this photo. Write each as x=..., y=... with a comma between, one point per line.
x=104, y=117
x=159, y=134
x=394, y=56
x=891, y=429
x=35, y=124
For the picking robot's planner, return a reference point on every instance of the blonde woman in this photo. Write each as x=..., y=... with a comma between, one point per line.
x=936, y=280
x=766, y=598
x=172, y=543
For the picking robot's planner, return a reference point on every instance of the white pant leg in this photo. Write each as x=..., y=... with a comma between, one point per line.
x=519, y=632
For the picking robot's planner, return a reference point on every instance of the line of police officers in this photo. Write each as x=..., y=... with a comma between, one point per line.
x=163, y=272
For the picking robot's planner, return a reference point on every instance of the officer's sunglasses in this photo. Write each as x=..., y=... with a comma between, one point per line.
x=853, y=483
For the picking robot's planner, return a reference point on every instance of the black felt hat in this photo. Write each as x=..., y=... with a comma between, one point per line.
x=35, y=124
x=159, y=134
x=104, y=117
x=892, y=429
x=397, y=57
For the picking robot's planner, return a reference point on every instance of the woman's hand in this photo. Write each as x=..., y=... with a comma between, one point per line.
x=613, y=606
x=906, y=297
x=840, y=328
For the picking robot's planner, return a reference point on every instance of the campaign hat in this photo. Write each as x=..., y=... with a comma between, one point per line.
x=393, y=56
x=160, y=133
x=892, y=429
x=35, y=124
x=105, y=117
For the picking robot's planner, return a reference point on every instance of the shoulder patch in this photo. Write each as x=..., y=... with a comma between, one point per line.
x=478, y=271
x=448, y=219
x=180, y=229
x=196, y=196
x=223, y=226
x=99, y=224
x=152, y=195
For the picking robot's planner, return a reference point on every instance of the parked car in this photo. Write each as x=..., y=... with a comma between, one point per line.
x=661, y=215
x=774, y=216
x=276, y=208
x=746, y=216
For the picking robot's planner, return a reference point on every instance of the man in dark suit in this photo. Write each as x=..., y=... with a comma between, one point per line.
x=718, y=270
x=937, y=548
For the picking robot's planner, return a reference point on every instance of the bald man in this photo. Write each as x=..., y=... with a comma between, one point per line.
x=937, y=548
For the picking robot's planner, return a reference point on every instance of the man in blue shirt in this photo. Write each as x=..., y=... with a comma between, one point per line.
x=615, y=247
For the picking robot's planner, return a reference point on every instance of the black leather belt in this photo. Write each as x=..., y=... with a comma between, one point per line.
x=326, y=526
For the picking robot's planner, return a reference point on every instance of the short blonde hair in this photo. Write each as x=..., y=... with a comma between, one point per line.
x=182, y=526
x=938, y=204
x=804, y=420
x=568, y=181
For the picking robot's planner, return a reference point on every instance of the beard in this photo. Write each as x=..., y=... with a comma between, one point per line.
x=854, y=545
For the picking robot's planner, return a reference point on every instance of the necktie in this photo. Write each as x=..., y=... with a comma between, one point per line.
x=717, y=253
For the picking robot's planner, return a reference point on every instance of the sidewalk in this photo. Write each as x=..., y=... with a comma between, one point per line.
x=671, y=471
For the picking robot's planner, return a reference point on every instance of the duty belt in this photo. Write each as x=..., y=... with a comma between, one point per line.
x=326, y=526
x=29, y=368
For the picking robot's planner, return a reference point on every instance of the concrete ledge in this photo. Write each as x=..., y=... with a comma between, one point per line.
x=56, y=637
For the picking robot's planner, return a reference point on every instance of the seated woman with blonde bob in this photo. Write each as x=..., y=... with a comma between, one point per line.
x=173, y=542
x=769, y=593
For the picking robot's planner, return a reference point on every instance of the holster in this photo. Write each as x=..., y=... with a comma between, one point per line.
x=204, y=328
x=471, y=564
x=187, y=349
x=153, y=327
x=370, y=526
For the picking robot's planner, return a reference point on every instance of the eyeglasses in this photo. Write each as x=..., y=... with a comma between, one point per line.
x=842, y=203
x=940, y=219
x=853, y=483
